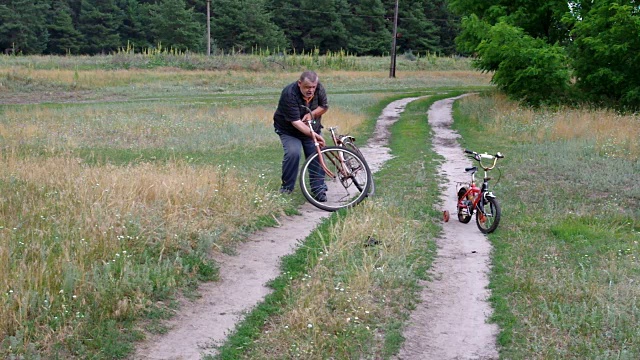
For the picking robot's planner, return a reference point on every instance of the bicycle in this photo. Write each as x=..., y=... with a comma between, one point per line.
x=342, y=169
x=476, y=200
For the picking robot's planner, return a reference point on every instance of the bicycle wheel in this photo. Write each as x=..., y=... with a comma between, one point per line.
x=464, y=213
x=346, y=188
x=489, y=220
x=350, y=145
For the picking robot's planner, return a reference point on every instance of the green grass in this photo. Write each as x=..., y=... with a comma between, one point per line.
x=565, y=261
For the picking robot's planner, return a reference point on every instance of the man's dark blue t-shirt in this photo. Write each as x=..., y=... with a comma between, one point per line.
x=289, y=108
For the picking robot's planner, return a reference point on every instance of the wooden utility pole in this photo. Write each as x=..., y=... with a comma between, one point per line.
x=392, y=70
x=208, y=27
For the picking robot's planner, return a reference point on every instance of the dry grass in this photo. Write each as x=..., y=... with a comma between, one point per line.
x=178, y=80
x=68, y=232
x=185, y=127
x=614, y=134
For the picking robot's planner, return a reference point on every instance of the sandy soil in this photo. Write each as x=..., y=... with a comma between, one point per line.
x=449, y=324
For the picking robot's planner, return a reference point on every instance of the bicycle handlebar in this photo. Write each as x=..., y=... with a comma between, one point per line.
x=479, y=157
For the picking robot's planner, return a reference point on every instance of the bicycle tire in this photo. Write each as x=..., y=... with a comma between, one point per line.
x=347, y=189
x=488, y=219
x=350, y=145
x=462, y=216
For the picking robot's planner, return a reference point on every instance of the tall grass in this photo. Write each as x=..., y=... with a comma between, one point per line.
x=83, y=245
x=613, y=134
x=259, y=61
x=566, y=261
x=138, y=126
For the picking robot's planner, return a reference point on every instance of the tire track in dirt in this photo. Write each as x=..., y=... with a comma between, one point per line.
x=202, y=324
x=451, y=321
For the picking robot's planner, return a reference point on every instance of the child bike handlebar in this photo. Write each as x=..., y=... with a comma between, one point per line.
x=478, y=157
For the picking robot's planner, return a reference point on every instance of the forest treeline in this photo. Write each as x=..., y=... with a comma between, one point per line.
x=359, y=27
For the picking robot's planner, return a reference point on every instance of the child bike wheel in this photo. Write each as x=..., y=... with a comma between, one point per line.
x=488, y=220
x=464, y=214
x=349, y=186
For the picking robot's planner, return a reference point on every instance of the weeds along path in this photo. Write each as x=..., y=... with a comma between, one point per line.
x=451, y=321
x=201, y=325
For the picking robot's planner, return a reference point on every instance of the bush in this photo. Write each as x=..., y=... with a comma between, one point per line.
x=525, y=68
x=606, y=55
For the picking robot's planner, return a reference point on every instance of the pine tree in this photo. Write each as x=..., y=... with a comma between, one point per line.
x=369, y=31
x=244, y=24
x=416, y=32
x=63, y=37
x=286, y=15
x=322, y=24
x=100, y=22
x=133, y=30
x=23, y=26
x=175, y=26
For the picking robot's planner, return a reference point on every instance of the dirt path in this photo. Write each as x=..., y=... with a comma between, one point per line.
x=202, y=324
x=450, y=323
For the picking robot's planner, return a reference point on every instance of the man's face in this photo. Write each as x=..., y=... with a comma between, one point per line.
x=307, y=87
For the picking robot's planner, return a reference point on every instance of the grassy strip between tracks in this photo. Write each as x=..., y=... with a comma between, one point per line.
x=340, y=297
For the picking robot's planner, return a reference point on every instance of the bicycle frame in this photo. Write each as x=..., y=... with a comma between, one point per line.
x=337, y=161
x=470, y=200
x=338, y=139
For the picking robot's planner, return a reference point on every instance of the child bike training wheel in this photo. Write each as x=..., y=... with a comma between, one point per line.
x=488, y=221
x=348, y=184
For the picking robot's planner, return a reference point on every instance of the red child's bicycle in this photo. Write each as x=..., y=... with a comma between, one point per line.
x=481, y=201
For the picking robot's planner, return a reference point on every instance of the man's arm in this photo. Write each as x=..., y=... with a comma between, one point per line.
x=304, y=128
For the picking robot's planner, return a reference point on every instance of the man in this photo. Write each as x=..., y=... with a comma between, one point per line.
x=295, y=134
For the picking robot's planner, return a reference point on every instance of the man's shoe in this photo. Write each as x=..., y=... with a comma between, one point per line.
x=285, y=191
x=321, y=197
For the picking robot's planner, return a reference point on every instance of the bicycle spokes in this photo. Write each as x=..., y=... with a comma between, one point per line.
x=347, y=178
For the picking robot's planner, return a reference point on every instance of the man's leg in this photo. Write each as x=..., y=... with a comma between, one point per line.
x=292, y=147
x=317, y=183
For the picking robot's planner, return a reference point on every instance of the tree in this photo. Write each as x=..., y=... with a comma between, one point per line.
x=23, y=26
x=367, y=28
x=133, y=30
x=100, y=21
x=175, y=26
x=606, y=53
x=63, y=36
x=417, y=33
x=322, y=25
x=538, y=18
x=285, y=14
x=447, y=24
x=525, y=68
x=244, y=24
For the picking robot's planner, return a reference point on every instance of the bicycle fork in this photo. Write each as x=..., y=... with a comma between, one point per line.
x=485, y=195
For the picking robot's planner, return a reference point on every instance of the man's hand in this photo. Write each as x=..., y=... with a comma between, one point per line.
x=319, y=139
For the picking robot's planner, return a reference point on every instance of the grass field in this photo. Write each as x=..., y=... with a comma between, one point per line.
x=566, y=270
x=119, y=183
x=122, y=175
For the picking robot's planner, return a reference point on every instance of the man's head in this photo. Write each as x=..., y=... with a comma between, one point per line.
x=308, y=83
